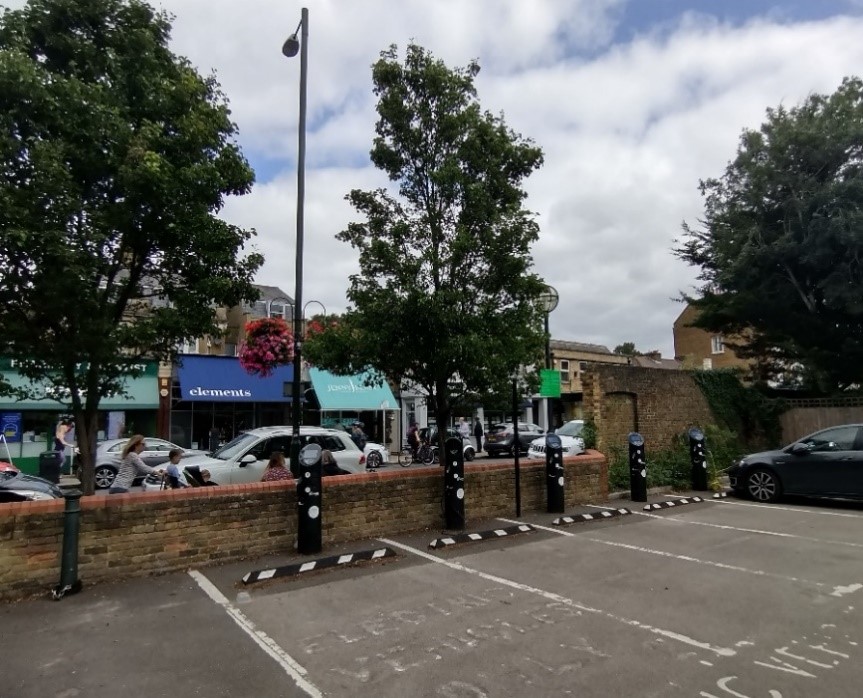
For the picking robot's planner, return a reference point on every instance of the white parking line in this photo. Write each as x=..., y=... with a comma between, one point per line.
x=557, y=598
x=682, y=558
x=292, y=668
x=794, y=509
x=777, y=534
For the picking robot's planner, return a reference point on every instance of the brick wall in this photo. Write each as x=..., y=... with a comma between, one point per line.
x=659, y=404
x=140, y=534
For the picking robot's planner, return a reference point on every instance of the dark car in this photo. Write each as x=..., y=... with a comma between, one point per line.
x=499, y=439
x=19, y=487
x=828, y=463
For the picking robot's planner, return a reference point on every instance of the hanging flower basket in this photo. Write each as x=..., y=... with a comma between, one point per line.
x=268, y=345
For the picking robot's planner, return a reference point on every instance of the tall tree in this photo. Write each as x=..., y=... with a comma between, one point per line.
x=445, y=298
x=116, y=155
x=627, y=349
x=781, y=243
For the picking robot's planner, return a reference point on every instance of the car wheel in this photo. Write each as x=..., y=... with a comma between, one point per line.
x=374, y=460
x=105, y=476
x=763, y=486
x=469, y=454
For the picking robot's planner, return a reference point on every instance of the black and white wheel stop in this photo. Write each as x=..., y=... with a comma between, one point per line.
x=480, y=535
x=720, y=495
x=673, y=503
x=323, y=563
x=599, y=516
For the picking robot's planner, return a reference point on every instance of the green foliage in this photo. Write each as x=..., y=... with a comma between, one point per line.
x=627, y=349
x=589, y=434
x=116, y=157
x=743, y=410
x=781, y=240
x=445, y=298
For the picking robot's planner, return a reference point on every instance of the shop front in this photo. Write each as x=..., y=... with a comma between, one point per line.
x=215, y=399
x=346, y=399
x=27, y=426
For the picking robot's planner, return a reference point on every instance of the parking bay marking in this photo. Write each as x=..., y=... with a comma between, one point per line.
x=794, y=509
x=292, y=668
x=687, y=558
x=777, y=534
x=551, y=596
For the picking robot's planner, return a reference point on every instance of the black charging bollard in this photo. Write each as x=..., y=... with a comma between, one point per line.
x=453, y=486
x=309, y=503
x=637, y=468
x=69, y=582
x=554, y=474
x=699, y=461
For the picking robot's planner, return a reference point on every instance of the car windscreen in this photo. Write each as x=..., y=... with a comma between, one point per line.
x=234, y=448
x=571, y=429
x=498, y=428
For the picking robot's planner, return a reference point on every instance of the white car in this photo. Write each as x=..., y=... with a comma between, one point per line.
x=245, y=458
x=570, y=440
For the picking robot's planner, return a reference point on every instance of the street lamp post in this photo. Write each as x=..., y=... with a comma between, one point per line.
x=548, y=301
x=290, y=49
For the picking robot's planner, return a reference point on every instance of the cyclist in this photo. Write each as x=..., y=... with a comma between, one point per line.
x=413, y=438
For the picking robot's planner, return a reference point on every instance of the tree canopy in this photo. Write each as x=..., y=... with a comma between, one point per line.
x=445, y=298
x=116, y=155
x=781, y=243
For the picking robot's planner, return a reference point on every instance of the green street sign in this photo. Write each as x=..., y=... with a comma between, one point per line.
x=549, y=382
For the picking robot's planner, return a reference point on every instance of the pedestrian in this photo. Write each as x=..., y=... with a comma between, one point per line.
x=173, y=476
x=215, y=438
x=329, y=465
x=64, y=426
x=414, y=438
x=357, y=435
x=463, y=428
x=131, y=466
x=478, y=433
x=276, y=469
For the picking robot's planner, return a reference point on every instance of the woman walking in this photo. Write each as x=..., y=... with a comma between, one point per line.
x=131, y=466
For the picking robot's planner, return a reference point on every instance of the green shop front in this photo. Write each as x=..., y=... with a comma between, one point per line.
x=27, y=426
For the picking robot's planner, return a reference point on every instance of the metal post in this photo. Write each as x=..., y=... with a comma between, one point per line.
x=454, y=483
x=296, y=404
x=554, y=474
x=698, y=460
x=69, y=582
x=516, y=447
x=309, y=500
x=637, y=468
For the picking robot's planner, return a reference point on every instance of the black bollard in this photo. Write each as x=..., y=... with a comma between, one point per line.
x=453, y=487
x=554, y=474
x=69, y=582
x=699, y=461
x=309, y=502
x=637, y=468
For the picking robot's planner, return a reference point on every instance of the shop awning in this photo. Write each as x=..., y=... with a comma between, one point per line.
x=222, y=379
x=351, y=392
x=142, y=393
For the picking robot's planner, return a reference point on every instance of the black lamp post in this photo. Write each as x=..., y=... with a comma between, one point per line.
x=290, y=49
x=548, y=300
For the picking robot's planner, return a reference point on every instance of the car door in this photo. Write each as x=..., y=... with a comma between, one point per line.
x=253, y=472
x=828, y=464
x=155, y=452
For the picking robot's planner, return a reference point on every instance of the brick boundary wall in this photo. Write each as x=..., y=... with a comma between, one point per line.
x=139, y=534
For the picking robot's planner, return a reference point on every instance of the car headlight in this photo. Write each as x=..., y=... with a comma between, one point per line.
x=33, y=496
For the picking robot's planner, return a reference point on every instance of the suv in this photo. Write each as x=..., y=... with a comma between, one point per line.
x=245, y=458
x=570, y=440
x=499, y=439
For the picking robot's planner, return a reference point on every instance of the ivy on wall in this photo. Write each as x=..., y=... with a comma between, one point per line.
x=741, y=409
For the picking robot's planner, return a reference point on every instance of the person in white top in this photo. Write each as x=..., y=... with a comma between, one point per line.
x=463, y=428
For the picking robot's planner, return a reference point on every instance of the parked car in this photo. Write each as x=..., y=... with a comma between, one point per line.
x=570, y=440
x=4, y=466
x=828, y=463
x=155, y=453
x=376, y=454
x=20, y=487
x=499, y=438
x=245, y=458
x=431, y=433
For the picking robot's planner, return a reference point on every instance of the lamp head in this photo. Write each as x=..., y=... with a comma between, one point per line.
x=291, y=46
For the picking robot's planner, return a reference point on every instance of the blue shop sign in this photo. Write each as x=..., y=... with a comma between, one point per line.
x=223, y=379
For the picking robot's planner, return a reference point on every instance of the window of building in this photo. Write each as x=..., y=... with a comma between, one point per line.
x=564, y=370
x=717, y=344
x=582, y=365
x=707, y=364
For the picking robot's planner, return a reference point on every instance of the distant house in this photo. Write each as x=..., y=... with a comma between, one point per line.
x=653, y=359
x=698, y=348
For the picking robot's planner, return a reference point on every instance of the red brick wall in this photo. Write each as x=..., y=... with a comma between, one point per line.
x=140, y=534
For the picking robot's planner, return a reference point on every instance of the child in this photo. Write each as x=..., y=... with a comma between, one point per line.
x=174, y=476
x=205, y=476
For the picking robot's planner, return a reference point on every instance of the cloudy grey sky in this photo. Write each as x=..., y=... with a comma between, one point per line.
x=633, y=101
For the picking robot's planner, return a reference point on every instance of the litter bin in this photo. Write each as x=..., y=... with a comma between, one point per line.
x=50, y=465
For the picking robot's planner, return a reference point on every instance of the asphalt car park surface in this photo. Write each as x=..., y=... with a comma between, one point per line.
x=713, y=599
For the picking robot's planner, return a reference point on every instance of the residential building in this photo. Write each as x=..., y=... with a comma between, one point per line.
x=696, y=348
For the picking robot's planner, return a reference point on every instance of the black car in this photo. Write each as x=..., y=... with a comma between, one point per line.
x=499, y=438
x=828, y=463
x=19, y=487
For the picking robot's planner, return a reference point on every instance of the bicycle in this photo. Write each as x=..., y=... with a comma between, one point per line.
x=425, y=454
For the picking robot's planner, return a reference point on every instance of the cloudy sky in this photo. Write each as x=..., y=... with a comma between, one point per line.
x=632, y=101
